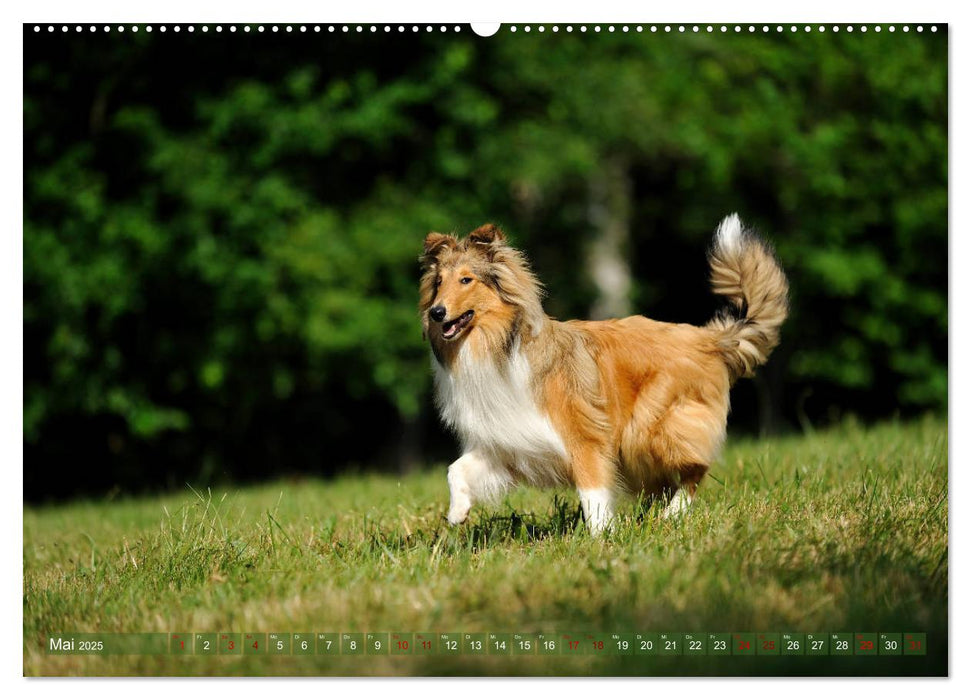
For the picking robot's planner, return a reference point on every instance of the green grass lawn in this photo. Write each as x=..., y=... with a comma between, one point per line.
x=841, y=531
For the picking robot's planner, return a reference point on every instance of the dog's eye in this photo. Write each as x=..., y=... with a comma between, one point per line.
x=466, y=280
x=438, y=281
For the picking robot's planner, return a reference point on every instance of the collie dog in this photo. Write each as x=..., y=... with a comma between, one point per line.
x=626, y=405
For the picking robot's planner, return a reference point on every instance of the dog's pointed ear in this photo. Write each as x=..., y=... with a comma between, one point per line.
x=488, y=234
x=435, y=243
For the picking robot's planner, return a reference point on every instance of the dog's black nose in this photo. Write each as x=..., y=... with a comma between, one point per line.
x=437, y=313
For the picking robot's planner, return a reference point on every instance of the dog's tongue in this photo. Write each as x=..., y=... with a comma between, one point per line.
x=451, y=329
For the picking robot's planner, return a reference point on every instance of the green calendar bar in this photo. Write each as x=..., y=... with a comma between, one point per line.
x=861, y=644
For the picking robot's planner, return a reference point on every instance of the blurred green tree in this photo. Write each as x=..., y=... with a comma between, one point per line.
x=220, y=232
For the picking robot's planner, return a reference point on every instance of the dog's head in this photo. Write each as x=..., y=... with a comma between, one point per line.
x=477, y=282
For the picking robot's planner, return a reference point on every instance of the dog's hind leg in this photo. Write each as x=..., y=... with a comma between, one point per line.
x=681, y=444
x=474, y=477
x=691, y=476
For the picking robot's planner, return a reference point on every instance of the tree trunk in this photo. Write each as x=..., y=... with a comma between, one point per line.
x=609, y=214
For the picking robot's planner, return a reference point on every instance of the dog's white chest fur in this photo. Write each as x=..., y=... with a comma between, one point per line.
x=491, y=406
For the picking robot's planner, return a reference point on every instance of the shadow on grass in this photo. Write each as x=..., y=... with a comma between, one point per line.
x=564, y=519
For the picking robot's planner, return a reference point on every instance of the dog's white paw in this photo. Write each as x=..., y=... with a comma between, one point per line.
x=678, y=506
x=457, y=516
x=598, y=509
x=459, y=508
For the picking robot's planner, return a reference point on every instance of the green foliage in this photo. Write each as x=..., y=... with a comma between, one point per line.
x=220, y=230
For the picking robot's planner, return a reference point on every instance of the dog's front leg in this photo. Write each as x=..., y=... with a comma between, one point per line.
x=595, y=480
x=598, y=508
x=471, y=478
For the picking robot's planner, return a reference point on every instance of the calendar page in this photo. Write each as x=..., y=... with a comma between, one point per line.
x=519, y=349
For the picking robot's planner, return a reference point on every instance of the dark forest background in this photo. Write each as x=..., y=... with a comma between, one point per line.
x=221, y=230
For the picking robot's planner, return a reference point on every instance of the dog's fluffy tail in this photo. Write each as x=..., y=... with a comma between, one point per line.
x=745, y=270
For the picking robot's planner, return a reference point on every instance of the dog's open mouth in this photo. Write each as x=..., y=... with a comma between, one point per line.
x=451, y=329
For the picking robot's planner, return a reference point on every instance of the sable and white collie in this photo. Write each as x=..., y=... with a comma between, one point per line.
x=626, y=405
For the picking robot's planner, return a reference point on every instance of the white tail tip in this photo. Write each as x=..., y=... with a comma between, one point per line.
x=728, y=235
